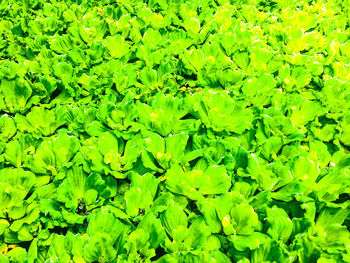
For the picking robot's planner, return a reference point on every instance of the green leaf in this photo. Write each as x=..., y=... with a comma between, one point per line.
x=16, y=94
x=66, y=247
x=7, y=128
x=44, y=160
x=194, y=59
x=207, y=208
x=345, y=134
x=17, y=255
x=281, y=225
x=64, y=147
x=13, y=153
x=149, y=78
x=175, y=146
x=154, y=228
x=141, y=194
x=117, y=46
x=219, y=112
x=195, y=183
x=99, y=248
x=174, y=221
x=325, y=133
x=250, y=242
x=107, y=223
x=4, y=224
x=306, y=112
x=192, y=25
x=305, y=169
x=329, y=223
x=152, y=37
x=41, y=120
x=155, y=144
x=242, y=220
x=63, y=71
x=110, y=148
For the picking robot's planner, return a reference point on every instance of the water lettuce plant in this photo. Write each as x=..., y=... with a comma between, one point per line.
x=174, y=131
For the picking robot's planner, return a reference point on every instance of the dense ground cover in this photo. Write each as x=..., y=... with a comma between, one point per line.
x=174, y=131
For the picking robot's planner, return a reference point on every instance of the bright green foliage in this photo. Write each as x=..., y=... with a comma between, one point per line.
x=172, y=131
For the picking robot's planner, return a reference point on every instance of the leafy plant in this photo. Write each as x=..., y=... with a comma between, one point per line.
x=174, y=131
